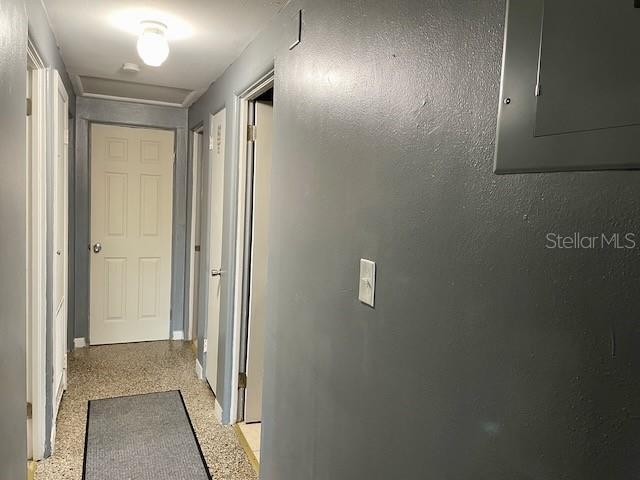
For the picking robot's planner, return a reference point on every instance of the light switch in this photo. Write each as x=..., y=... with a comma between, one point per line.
x=367, y=281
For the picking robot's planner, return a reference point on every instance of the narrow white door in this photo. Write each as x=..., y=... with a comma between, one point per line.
x=60, y=254
x=131, y=224
x=259, y=250
x=216, y=194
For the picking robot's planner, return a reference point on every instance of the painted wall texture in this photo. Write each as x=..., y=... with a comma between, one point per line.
x=106, y=111
x=13, y=294
x=488, y=355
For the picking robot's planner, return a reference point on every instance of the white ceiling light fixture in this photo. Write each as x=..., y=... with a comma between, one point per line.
x=153, y=46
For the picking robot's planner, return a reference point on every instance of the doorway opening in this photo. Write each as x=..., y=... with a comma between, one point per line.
x=256, y=137
x=196, y=235
x=131, y=233
x=36, y=120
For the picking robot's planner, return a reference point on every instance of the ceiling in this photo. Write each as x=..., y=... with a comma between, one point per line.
x=96, y=37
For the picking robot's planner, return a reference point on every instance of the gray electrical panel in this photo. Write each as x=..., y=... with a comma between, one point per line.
x=570, y=92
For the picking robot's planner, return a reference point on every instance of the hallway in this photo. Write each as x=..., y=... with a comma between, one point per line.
x=366, y=240
x=129, y=369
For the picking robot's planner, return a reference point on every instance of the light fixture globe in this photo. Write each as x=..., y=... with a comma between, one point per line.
x=153, y=47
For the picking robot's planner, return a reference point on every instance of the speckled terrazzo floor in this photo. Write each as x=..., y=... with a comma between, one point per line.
x=129, y=369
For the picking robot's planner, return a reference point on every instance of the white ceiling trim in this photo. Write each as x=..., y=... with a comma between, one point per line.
x=77, y=84
x=189, y=99
x=132, y=100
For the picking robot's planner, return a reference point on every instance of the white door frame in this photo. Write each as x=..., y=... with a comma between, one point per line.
x=240, y=151
x=196, y=162
x=60, y=91
x=37, y=258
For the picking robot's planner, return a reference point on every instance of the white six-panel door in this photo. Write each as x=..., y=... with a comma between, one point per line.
x=216, y=193
x=131, y=224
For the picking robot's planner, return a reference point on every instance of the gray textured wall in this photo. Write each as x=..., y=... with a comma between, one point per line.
x=487, y=356
x=13, y=294
x=105, y=111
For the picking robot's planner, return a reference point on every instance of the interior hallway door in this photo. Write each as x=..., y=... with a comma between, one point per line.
x=131, y=224
x=216, y=194
x=259, y=249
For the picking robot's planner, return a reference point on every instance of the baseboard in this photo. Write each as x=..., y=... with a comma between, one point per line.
x=199, y=369
x=244, y=443
x=79, y=342
x=218, y=411
x=178, y=335
x=31, y=469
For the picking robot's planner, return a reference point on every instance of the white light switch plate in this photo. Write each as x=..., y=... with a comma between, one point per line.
x=367, y=289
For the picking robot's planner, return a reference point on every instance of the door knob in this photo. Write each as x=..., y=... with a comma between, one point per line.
x=216, y=272
x=97, y=247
